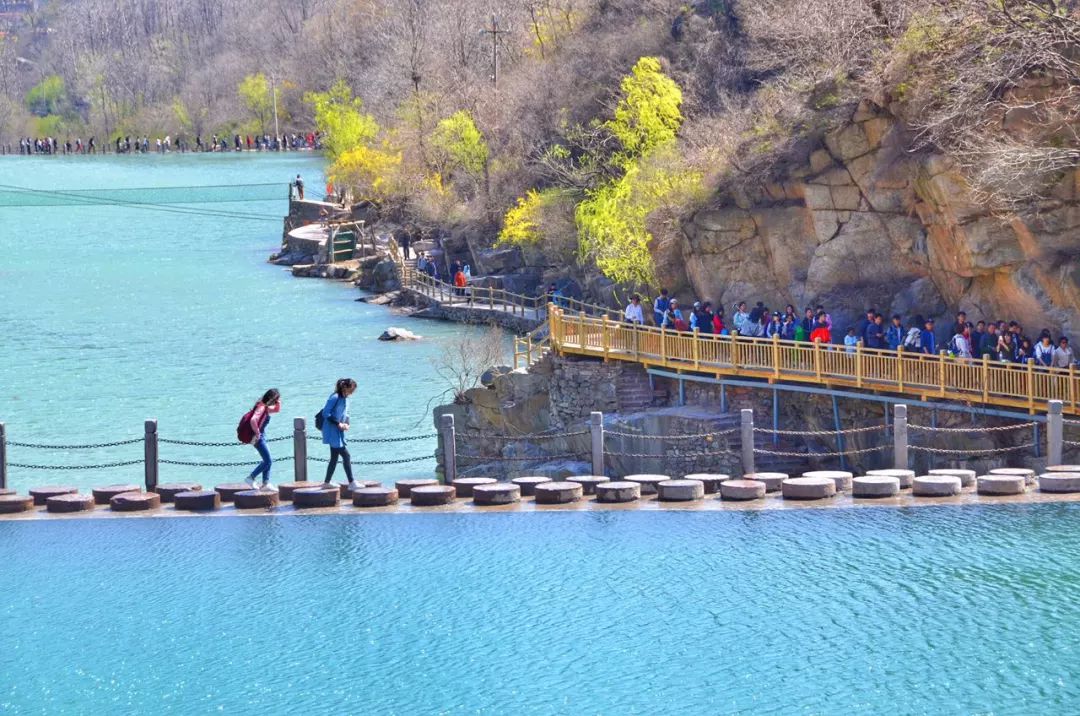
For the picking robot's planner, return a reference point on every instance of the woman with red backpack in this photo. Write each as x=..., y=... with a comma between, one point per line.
x=255, y=422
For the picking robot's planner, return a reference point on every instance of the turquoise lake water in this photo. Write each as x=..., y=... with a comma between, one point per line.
x=110, y=315
x=934, y=610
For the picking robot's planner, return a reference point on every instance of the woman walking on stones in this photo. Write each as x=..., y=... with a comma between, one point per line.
x=256, y=421
x=335, y=424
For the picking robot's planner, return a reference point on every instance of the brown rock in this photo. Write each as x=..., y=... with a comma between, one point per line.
x=432, y=495
x=135, y=501
x=347, y=490
x=256, y=499
x=104, y=495
x=70, y=502
x=464, y=485
x=374, y=497
x=772, y=480
x=405, y=487
x=286, y=489
x=648, y=482
x=528, y=484
x=808, y=488
x=588, y=482
x=558, y=493
x=500, y=493
x=710, y=481
x=197, y=501
x=168, y=491
x=1000, y=484
x=42, y=494
x=231, y=488
x=316, y=497
x=680, y=490
x=10, y=504
x=742, y=490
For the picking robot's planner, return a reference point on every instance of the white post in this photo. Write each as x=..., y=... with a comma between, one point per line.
x=449, y=445
x=596, y=426
x=1054, y=433
x=299, y=446
x=748, y=441
x=3, y=456
x=150, y=454
x=900, y=437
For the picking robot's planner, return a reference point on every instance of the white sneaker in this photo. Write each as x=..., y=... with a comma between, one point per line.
x=267, y=485
x=250, y=482
x=353, y=486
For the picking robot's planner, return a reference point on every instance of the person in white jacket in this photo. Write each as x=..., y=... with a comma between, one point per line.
x=634, y=314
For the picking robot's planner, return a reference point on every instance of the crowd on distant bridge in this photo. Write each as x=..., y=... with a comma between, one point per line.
x=1001, y=341
x=166, y=144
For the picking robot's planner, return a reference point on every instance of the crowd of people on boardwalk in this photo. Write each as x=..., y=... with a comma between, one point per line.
x=163, y=145
x=1002, y=341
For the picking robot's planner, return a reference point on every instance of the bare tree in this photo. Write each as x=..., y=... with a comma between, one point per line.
x=466, y=358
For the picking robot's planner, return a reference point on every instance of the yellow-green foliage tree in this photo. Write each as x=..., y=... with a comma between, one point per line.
x=341, y=120
x=649, y=112
x=459, y=145
x=254, y=91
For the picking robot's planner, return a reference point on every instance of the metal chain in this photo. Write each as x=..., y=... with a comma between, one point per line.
x=540, y=458
x=232, y=443
x=838, y=453
x=665, y=456
x=1072, y=422
x=718, y=433
x=1071, y=443
x=821, y=433
x=245, y=463
x=40, y=446
x=318, y=438
x=990, y=451
x=997, y=429
x=525, y=436
x=24, y=466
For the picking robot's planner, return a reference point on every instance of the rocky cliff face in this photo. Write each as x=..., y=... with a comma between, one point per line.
x=860, y=221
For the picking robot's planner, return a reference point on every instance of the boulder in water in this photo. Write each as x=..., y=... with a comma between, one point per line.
x=398, y=334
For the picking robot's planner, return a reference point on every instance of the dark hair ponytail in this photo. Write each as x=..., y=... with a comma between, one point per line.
x=270, y=397
x=343, y=385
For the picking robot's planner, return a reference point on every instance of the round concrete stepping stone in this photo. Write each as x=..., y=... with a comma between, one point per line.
x=1028, y=475
x=405, y=487
x=1001, y=484
x=710, y=481
x=197, y=501
x=648, y=482
x=742, y=490
x=375, y=496
x=286, y=489
x=528, y=484
x=840, y=477
x=558, y=493
x=501, y=493
x=70, y=502
x=680, y=490
x=316, y=497
x=346, y=490
x=875, y=486
x=1063, y=468
x=588, y=482
x=135, y=501
x=621, y=491
x=904, y=476
x=808, y=488
x=772, y=480
x=967, y=477
x=256, y=499
x=231, y=488
x=465, y=485
x=42, y=494
x=432, y=495
x=6, y=492
x=1060, y=482
x=11, y=504
x=935, y=485
x=169, y=490
x=104, y=495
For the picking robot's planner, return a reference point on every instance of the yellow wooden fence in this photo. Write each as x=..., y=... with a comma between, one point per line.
x=977, y=381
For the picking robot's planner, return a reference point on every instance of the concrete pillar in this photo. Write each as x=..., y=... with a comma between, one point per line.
x=596, y=427
x=1054, y=426
x=449, y=443
x=150, y=454
x=747, y=441
x=3, y=457
x=900, y=437
x=299, y=446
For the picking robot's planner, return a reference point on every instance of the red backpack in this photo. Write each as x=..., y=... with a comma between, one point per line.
x=244, y=433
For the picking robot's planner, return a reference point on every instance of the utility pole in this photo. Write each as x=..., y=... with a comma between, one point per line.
x=273, y=94
x=494, y=31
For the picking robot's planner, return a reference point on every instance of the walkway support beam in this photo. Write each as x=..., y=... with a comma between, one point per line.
x=150, y=454
x=3, y=456
x=900, y=437
x=1054, y=433
x=299, y=446
x=596, y=429
x=449, y=447
x=747, y=441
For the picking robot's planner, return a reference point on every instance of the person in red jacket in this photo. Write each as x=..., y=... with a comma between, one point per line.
x=821, y=332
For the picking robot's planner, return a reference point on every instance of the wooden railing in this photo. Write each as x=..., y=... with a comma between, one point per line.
x=531, y=347
x=981, y=381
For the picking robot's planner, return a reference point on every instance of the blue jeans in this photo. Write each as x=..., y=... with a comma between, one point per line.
x=264, y=466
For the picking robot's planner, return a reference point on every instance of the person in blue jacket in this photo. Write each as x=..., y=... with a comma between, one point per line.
x=335, y=424
x=929, y=343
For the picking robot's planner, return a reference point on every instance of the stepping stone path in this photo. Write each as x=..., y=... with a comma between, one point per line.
x=1060, y=482
x=808, y=488
x=11, y=504
x=528, y=484
x=772, y=480
x=500, y=493
x=742, y=490
x=1001, y=484
x=432, y=495
x=464, y=485
x=621, y=491
x=648, y=482
x=135, y=501
x=169, y=490
x=967, y=477
x=104, y=495
x=405, y=487
x=841, y=478
x=711, y=482
x=42, y=494
x=346, y=491
x=904, y=476
x=680, y=490
x=935, y=486
x=5, y=492
x=588, y=482
x=197, y=501
x=1028, y=475
x=286, y=489
x=70, y=502
x=375, y=496
x=876, y=486
x=558, y=493
x=256, y=499
x=316, y=497
x=1064, y=468
x=231, y=488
